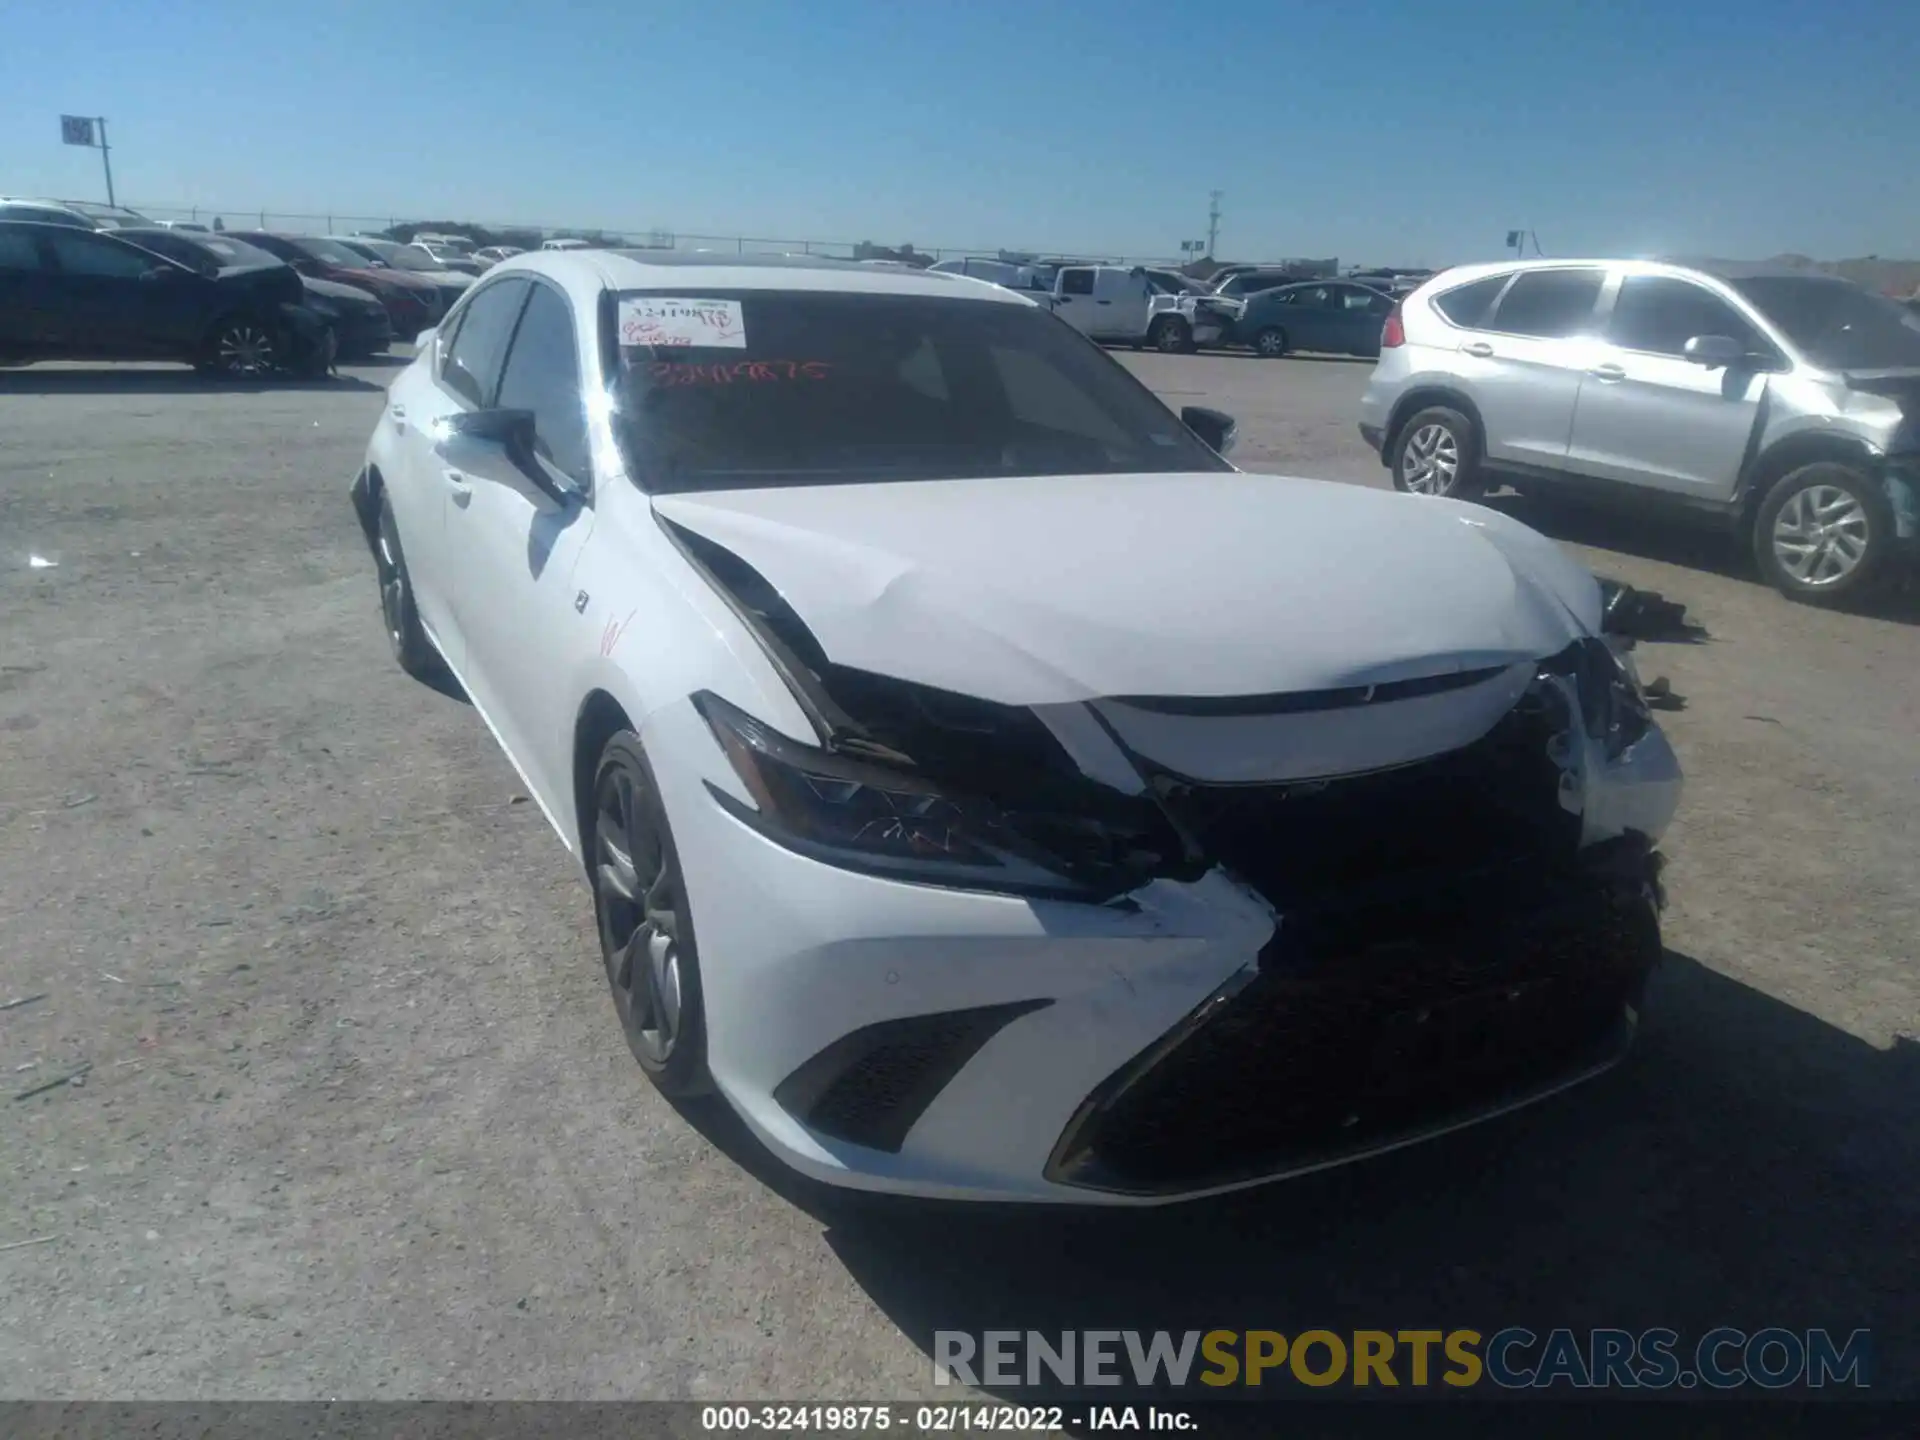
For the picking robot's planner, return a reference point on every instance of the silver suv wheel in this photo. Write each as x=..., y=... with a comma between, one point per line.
x=1431, y=462
x=1820, y=536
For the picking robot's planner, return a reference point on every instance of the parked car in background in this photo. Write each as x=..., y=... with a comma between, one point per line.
x=414, y=261
x=1127, y=305
x=107, y=217
x=412, y=304
x=1332, y=316
x=449, y=256
x=360, y=324
x=494, y=254
x=45, y=212
x=1240, y=283
x=998, y=272
x=565, y=242
x=1783, y=405
x=193, y=225
x=68, y=293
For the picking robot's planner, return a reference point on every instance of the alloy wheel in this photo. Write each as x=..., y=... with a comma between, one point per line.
x=1431, y=461
x=245, y=349
x=637, y=901
x=393, y=591
x=1169, y=338
x=1821, y=535
x=1270, y=342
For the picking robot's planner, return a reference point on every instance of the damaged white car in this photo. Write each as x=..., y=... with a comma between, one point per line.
x=985, y=787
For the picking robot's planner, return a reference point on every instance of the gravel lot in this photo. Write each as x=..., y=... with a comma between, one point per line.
x=359, y=1121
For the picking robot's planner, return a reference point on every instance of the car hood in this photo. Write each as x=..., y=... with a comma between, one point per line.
x=1046, y=590
x=392, y=279
x=334, y=290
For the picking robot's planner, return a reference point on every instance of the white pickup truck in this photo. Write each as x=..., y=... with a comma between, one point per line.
x=1141, y=305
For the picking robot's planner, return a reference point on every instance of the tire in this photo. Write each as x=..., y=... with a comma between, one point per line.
x=241, y=347
x=645, y=926
x=1171, y=335
x=1270, y=343
x=1437, y=452
x=1823, y=532
x=406, y=637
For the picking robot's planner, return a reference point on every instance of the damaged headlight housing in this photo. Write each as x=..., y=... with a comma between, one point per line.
x=861, y=815
x=1613, y=710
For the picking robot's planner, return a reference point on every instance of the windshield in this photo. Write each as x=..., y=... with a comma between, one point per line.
x=798, y=388
x=1836, y=323
x=332, y=252
x=234, y=252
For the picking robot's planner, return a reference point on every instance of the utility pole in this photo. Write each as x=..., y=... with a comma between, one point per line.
x=1213, y=220
x=105, y=163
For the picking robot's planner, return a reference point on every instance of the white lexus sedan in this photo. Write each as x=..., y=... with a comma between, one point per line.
x=983, y=785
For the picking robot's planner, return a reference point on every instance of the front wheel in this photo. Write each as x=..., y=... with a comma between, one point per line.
x=406, y=636
x=1823, y=532
x=241, y=347
x=1171, y=335
x=1437, y=452
x=646, y=930
x=1270, y=343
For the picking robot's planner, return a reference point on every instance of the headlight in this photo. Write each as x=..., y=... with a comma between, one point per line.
x=865, y=816
x=1613, y=710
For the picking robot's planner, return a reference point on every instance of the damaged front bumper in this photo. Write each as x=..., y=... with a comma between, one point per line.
x=1190, y=1036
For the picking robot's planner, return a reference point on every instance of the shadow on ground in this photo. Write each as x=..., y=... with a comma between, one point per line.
x=1695, y=546
x=1749, y=1165
x=160, y=382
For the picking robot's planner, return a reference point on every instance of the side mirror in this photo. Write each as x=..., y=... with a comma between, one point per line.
x=513, y=432
x=1216, y=427
x=1716, y=352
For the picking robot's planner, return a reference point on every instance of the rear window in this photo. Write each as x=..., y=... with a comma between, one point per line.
x=796, y=388
x=1468, y=305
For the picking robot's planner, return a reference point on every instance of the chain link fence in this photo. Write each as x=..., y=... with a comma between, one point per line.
x=529, y=235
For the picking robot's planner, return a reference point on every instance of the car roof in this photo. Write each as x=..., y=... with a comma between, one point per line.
x=690, y=270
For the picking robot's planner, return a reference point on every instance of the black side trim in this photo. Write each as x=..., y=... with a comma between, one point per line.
x=1302, y=702
x=870, y=1087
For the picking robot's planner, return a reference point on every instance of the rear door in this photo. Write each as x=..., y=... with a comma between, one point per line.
x=512, y=548
x=1120, y=303
x=1361, y=314
x=1647, y=415
x=1074, y=297
x=1524, y=364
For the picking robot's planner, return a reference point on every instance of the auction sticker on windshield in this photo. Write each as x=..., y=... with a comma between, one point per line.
x=674, y=321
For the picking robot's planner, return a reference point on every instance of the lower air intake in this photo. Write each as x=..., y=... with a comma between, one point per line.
x=870, y=1087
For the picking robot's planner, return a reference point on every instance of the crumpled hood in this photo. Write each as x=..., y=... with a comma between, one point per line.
x=1045, y=590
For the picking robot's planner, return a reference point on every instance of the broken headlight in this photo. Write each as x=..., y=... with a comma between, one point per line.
x=1613, y=710
x=865, y=816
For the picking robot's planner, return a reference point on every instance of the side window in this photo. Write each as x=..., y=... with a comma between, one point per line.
x=1076, y=282
x=1659, y=314
x=1468, y=305
x=1550, y=304
x=80, y=252
x=473, y=359
x=17, y=251
x=543, y=375
x=1282, y=297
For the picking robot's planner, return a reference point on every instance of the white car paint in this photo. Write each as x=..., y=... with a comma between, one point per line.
x=1075, y=595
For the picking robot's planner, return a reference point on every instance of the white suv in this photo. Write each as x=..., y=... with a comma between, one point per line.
x=1785, y=404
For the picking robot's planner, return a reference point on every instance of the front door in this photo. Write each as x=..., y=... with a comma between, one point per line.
x=112, y=300
x=512, y=549
x=1074, y=298
x=1523, y=366
x=1649, y=416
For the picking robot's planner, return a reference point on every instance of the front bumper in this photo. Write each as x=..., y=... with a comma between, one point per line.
x=904, y=1038
x=1374, y=436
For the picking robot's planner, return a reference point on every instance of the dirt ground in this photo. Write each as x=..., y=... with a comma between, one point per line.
x=356, y=1118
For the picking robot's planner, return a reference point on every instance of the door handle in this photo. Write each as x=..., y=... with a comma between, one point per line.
x=460, y=485
x=1479, y=349
x=1607, y=373
x=397, y=414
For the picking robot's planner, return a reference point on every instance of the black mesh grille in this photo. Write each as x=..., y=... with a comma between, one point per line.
x=870, y=1087
x=1355, y=1032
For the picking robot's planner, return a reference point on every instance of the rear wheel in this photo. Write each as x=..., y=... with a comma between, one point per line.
x=1270, y=343
x=241, y=347
x=646, y=931
x=1437, y=452
x=1823, y=532
x=1170, y=335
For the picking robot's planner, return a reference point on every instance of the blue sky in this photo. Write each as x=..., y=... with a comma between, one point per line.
x=1380, y=133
